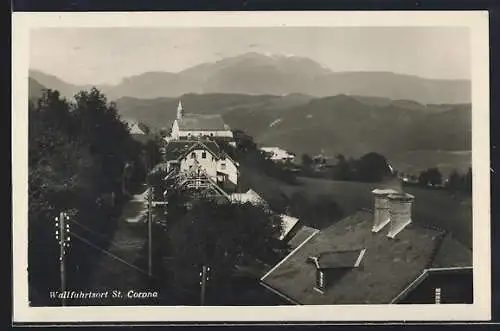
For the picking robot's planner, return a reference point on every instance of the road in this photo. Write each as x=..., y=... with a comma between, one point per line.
x=122, y=266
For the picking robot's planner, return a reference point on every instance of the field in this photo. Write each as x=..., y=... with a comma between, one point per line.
x=431, y=207
x=415, y=161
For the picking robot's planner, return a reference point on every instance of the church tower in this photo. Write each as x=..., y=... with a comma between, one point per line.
x=180, y=110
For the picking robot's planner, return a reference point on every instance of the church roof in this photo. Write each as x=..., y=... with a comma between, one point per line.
x=192, y=122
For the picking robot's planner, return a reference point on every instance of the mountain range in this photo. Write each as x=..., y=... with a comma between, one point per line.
x=351, y=125
x=257, y=74
x=375, y=117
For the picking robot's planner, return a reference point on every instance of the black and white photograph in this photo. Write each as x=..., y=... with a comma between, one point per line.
x=221, y=162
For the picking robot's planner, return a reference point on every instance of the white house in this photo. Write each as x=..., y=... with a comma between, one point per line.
x=249, y=196
x=277, y=154
x=288, y=223
x=184, y=155
x=190, y=126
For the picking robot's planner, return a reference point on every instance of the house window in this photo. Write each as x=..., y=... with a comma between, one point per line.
x=204, y=155
x=437, y=295
x=223, y=166
x=193, y=155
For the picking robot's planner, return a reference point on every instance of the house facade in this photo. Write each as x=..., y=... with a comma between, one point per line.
x=182, y=156
x=277, y=154
x=219, y=166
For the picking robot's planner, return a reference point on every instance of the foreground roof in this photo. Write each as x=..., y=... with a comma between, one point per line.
x=302, y=235
x=338, y=259
x=195, y=122
x=386, y=269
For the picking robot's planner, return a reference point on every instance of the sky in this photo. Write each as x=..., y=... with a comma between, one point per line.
x=107, y=55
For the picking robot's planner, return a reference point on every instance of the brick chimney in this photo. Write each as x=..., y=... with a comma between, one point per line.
x=400, y=206
x=381, y=215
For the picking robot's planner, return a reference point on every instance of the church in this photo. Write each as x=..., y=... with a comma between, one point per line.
x=191, y=126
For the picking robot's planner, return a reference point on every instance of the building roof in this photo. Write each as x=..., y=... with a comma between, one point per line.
x=338, y=259
x=388, y=191
x=288, y=222
x=175, y=149
x=249, y=196
x=273, y=149
x=434, y=277
x=196, y=122
x=209, y=146
x=303, y=234
x=388, y=265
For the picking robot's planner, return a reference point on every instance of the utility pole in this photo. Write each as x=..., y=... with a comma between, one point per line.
x=150, y=242
x=62, y=235
x=203, y=283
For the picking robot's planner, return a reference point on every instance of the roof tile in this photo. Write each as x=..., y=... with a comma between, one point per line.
x=388, y=266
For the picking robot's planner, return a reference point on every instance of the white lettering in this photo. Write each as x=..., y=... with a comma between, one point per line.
x=141, y=295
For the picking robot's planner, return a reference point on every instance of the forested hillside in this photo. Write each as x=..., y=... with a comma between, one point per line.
x=82, y=161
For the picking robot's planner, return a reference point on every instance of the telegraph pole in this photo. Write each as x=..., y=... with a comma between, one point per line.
x=150, y=242
x=203, y=283
x=62, y=235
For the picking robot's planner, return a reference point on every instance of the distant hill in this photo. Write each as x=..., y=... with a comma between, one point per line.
x=258, y=74
x=35, y=89
x=247, y=112
x=67, y=90
x=54, y=83
x=411, y=133
x=342, y=124
x=332, y=125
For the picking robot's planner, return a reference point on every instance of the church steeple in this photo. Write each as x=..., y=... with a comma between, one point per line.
x=180, y=110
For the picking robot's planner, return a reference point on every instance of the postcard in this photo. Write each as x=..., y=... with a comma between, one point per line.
x=251, y=166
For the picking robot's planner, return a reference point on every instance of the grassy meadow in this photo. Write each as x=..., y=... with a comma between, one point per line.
x=452, y=212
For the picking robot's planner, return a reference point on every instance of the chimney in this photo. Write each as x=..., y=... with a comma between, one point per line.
x=400, y=212
x=381, y=212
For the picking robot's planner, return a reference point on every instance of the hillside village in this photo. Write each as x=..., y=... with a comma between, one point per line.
x=377, y=255
x=275, y=198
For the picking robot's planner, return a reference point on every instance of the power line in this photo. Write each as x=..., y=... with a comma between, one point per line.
x=98, y=234
x=110, y=254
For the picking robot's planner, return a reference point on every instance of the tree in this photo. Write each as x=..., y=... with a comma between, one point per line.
x=342, y=169
x=373, y=167
x=244, y=142
x=468, y=181
x=152, y=150
x=99, y=127
x=431, y=176
x=61, y=177
x=77, y=152
x=454, y=181
x=307, y=161
x=156, y=181
x=221, y=236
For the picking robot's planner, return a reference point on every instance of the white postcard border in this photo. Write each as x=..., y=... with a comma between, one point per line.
x=477, y=21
